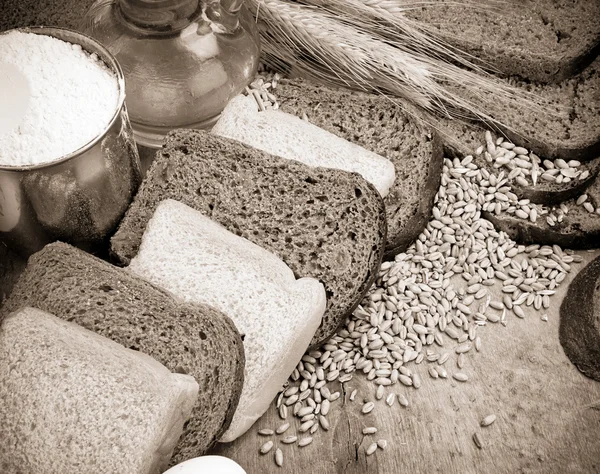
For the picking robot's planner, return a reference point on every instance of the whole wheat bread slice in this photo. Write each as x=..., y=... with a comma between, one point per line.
x=536, y=39
x=11, y=266
x=382, y=126
x=191, y=339
x=323, y=223
x=76, y=402
x=569, y=128
x=579, y=330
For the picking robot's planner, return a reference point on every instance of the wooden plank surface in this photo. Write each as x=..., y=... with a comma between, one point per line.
x=548, y=414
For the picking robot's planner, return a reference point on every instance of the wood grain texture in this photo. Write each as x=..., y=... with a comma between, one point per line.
x=548, y=414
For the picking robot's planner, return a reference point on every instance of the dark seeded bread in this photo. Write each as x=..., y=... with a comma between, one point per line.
x=544, y=41
x=580, y=229
x=579, y=330
x=193, y=339
x=569, y=130
x=323, y=223
x=377, y=124
x=63, y=13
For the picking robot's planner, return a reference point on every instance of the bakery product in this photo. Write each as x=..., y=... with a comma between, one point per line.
x=382, y=126
x=580, y=229
x=536, y=39
x=200, y=261
x=568, y=127
x=191, y=339
x=63, y=13
x=579, y=330
x=323, y=223
x=74, y=401
x=11, y=265
x=288, y=136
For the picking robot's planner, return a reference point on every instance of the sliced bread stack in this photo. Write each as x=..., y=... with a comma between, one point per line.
x=75, y=402
x=200, y=261
x=189, y=339
x=385, y=127
x=323, y=223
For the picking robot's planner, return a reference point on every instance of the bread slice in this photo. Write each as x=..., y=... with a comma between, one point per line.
x=291, y=137
x=580, y=229
x=535, y=39
x=66, y=14
x=569, y=128
x=579, y=330
x=74, y=401
x=190, y=339
x=323, y=223
x=380, y=125
x=202, y=262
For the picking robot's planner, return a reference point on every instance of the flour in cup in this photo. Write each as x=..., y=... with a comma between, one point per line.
x=72, y=98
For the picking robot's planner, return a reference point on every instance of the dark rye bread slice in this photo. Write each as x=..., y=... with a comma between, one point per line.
x=323, y=223
x=569, y=128
x=383, y=127
x=62, y=13
x=192, y=339
x=579, y=330
x=544, y=41
x=579, y=229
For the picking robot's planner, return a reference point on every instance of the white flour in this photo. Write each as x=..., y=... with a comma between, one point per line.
x=73, y=98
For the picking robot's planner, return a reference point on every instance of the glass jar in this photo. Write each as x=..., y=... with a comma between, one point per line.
x=183, y=60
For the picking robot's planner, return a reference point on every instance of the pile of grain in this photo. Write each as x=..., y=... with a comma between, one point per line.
x=418, y=311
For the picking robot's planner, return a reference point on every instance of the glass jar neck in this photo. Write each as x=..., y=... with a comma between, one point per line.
x=160, y=15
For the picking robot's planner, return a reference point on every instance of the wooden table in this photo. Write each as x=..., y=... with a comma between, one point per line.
x=548, y=414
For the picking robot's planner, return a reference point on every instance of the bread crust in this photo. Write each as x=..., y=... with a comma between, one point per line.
x=579, y=330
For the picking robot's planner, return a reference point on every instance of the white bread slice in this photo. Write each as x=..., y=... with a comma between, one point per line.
x=198, y=260
x=291, y=137
x=73, y=401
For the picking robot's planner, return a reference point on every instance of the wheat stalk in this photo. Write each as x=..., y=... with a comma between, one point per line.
x=342, y=51
x=377, y=14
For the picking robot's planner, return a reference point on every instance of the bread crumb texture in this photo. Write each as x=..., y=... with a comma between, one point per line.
x=323, y=223
x=191, y=339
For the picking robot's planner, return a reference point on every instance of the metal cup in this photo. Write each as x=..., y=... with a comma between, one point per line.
x=81, y=197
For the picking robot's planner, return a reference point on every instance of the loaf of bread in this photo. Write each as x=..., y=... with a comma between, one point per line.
x=77, y=402
x=200, y=261
x=191, y=339
x=291, y=137
x=385, y=127
x=579, y=330
x=323, y=223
